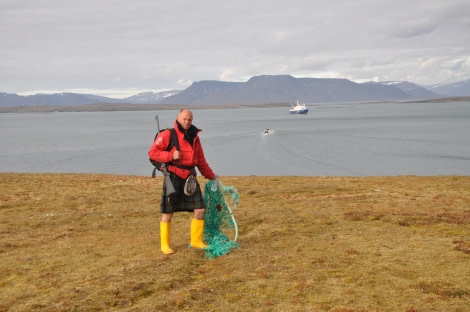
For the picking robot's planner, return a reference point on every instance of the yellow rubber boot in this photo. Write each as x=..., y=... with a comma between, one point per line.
x=197, y=228
x=165, y=238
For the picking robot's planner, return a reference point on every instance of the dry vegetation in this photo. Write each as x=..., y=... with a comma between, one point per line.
x=72, y=242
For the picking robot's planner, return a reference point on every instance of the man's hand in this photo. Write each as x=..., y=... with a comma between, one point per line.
x=176, y=155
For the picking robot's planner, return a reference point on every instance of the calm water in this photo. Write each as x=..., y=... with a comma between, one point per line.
x=332, y=140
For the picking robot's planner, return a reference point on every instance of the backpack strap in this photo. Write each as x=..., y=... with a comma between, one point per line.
x=173, y=142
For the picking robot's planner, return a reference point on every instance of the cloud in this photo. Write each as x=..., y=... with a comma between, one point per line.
x=429, y=63
x=415, y=29
x=155, y=45
x=227, y=75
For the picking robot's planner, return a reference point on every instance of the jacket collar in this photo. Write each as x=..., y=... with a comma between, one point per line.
x=189, y=135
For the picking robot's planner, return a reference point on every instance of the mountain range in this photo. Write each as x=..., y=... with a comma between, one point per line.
x=285, y=89
x=461, y=88
x=259, y=90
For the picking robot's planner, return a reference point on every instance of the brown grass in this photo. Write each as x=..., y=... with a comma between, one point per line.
x=72, y=242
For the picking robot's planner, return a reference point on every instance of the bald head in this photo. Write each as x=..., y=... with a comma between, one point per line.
x=185, y=118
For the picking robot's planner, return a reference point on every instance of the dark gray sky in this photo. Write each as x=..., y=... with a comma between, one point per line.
x=119, y=48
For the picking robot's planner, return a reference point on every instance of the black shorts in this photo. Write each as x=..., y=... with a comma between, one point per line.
x=179, y=201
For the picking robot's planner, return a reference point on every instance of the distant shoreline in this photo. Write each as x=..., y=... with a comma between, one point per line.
x=108, y=107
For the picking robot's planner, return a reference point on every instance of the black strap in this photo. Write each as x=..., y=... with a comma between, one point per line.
x=173, y=141
x=182, y=166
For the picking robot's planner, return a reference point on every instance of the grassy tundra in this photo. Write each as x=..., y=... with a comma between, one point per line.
x=84, y=242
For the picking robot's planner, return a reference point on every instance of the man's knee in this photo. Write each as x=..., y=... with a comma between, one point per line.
x=166, y=217
x=199, y=213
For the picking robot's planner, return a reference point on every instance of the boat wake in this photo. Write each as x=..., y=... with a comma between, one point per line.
x=268, y=131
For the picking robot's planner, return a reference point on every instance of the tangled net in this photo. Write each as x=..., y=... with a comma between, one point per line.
x=219, y=219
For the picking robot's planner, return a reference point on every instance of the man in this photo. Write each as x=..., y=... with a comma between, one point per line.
x=181, y=166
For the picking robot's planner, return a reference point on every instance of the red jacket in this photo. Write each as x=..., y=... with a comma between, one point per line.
x=191, y=156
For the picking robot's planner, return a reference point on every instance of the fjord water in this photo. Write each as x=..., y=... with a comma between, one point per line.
x=331, y=140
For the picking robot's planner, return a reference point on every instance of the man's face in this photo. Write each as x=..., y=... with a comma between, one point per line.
x=185, y=118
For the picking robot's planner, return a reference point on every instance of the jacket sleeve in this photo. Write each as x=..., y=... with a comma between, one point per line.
x=158, y=149
x=202, y=164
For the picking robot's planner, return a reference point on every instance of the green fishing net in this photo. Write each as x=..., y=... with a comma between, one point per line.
x=219, y=224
